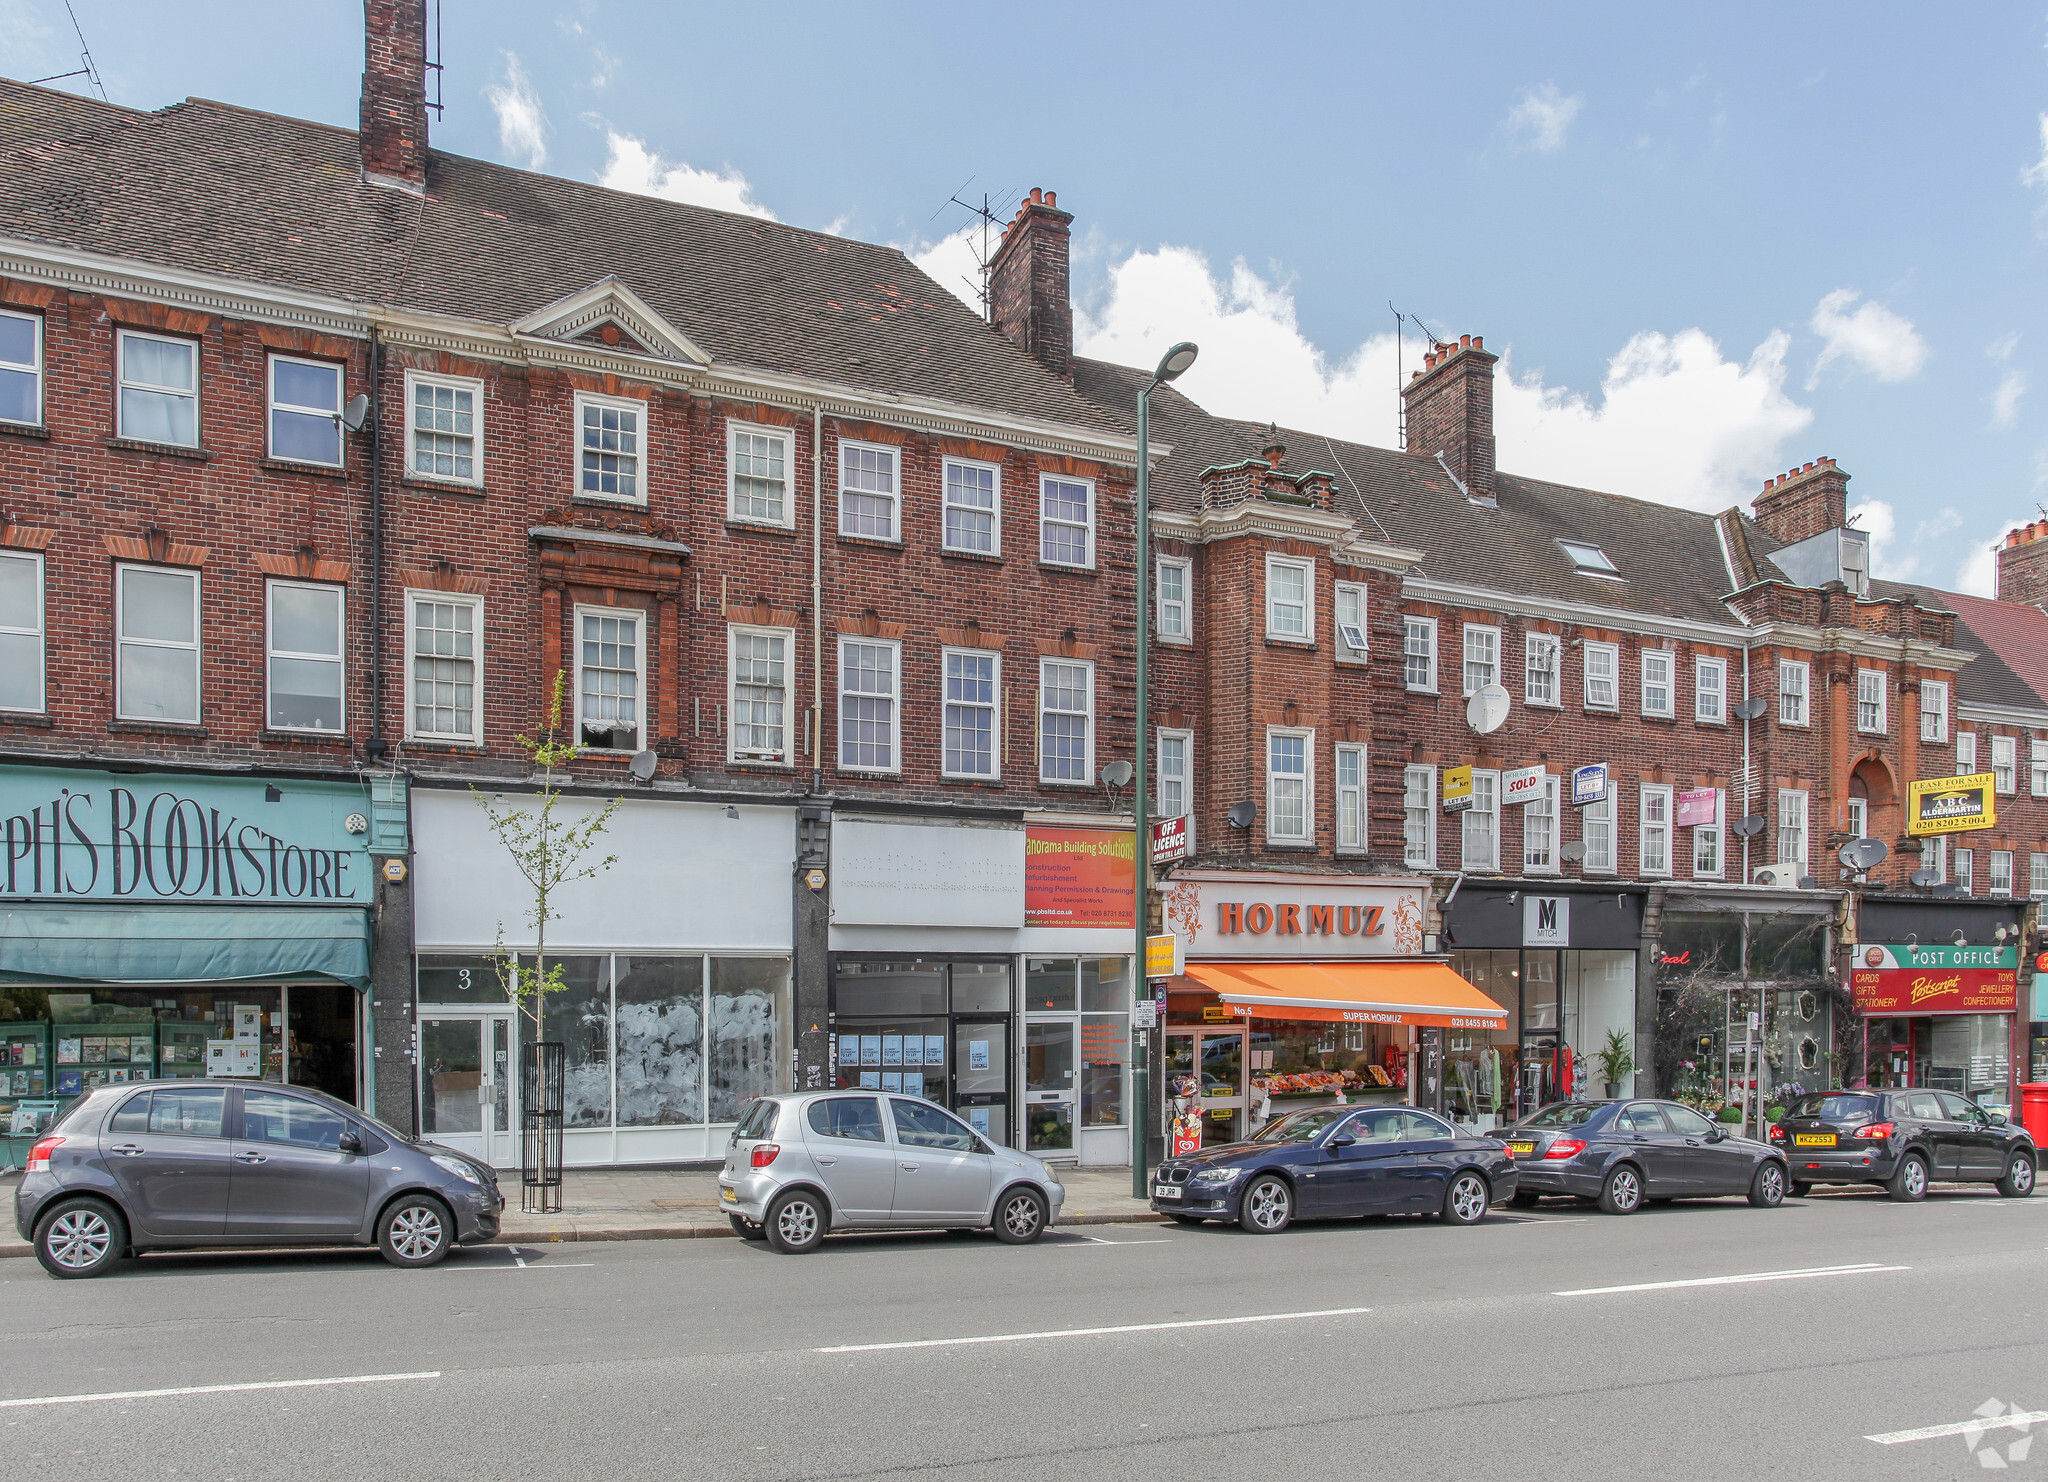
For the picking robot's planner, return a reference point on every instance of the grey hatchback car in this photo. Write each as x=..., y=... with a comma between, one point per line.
x=800, y=1165
x=199, y=1163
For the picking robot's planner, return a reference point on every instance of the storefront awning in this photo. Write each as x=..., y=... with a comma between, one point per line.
x=183, y=944
x=1426, y=993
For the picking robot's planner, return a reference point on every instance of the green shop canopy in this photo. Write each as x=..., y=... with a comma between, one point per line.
x=183, y=944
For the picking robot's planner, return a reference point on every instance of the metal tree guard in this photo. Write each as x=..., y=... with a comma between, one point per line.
x=541, y=1072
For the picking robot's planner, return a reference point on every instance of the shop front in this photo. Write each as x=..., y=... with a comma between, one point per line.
x=1936, y=992
x=157, y=926
x=986, y=965
x=1300, y=989
x=675, y=1011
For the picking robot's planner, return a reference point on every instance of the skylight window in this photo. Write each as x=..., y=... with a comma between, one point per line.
x=1589, y=558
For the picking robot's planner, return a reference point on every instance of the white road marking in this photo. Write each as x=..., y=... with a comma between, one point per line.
x=1098, y=1240
x=1863, y=1269
x=1136, y=1327
x=517, y=1258
x=522, y=1266
x=216, y=1389
x=2011, y=1421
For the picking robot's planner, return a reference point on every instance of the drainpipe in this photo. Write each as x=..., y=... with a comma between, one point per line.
x=376, y=747
x=817, y=598
x=1748, y=775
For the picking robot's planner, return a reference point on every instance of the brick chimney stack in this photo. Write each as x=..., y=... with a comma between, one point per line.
x=394, y=112
x=2023, y=565
x=1450, y=411
x=1800, y=504
x=1028, y=282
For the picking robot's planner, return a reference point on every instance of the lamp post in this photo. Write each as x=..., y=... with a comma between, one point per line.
x=1171, y=366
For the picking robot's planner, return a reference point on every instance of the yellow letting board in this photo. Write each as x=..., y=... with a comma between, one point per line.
x=1162, y=956
x=1952, y=805
x=1457, y=789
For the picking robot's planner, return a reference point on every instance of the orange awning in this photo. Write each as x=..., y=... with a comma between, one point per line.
x=1426, y=993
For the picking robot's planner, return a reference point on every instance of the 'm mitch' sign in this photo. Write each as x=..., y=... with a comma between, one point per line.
x=88, y=836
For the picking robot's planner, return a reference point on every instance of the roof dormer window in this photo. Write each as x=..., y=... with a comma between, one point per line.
x=1589, y=559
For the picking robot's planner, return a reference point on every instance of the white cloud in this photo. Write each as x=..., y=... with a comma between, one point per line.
x=1882, y=522
x=1674, y=420
x=1978, y=575
x=1871, y=337
x=2002, y=347
x=631, y=165
x=953, y=262
x=2037, y=172
x=522, y=122
x=1542, y=117
x=2005, y=401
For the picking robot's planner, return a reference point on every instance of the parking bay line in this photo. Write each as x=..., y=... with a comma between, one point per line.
x=1136, y=1327
x=215, y=1389
x=2015, y=1420
x=1864, y=1269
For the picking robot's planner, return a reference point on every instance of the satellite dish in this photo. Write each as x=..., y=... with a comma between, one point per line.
x=642, y=766
x=1116, y=774
x=1487, y=710
x=1574, y=851
x=1926, y=877
x=1749, y=827
x=1242, y=814
x=1863, y=854
x=1751, y=708
x=356, y=413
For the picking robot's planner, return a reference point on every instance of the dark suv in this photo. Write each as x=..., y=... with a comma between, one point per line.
x=190, y=1163
x=1902, y=1141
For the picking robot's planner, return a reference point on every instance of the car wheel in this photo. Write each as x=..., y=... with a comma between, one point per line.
x=416, y=1231
x=1268, y=1206
x=2019, y=1176
x=1800, y=1191
x=746, y=1229
x=80, y=1237
x=1525, y=1199
x=1909, y=1184
x=1465, y=1201
x=1622, y=1193
x=1767, y=1189
x=1020, y=1217
x=796, y=1222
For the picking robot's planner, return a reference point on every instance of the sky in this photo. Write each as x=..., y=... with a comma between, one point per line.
x=1711, y=243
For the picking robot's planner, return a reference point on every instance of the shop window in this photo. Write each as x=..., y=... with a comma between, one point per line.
x=760, y=694
x=659, y=1011
x=446, y=428
x=1482, y=657
x=970, y=712
x=867, y=490
x=21, y=629
x=305, y=411
x=1418, y=654
x=867, y=704
x=757, y=473
x=750, y=1031
x=159, y=400
x=1654, y=832
x=1290, y=791
x=1933, y=710
x=1066, y=521
x=1659, y=687
x=1351, y=797
x=1541, y=663
x=611, y=678
x=1171, y=600
x=610, y=444
x=158, y=620
x=21, y=368
x=1066, y=721
x=1792, y=677
x=973, y=507
x=444, y=681
x=1418, y=817
x=1710, y=691
x=1596, y=829
x=2004, y=764
x=579, y=1016
x=1539, y=831
x=1603, y=676
x=1482, y=823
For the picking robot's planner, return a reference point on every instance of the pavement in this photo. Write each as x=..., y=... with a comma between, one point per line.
x=1835, y=1338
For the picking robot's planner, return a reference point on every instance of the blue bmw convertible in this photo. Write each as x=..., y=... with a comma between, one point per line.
x=1330, y=1161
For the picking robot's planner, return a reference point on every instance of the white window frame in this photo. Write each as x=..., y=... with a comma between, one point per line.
x=33, y=367
x=1596, y=831
x=1087, y=777
x=1966, y=753
x=894, y=496
x=994, y=707
x=1424, y=628
x=1933, y=711
x=1873, y=708
x=1487, y=785
x=2037, y=767
x=2005, y=765
x=735, y=429
x=196, y=646
x=1654, y=829
x=1046, y=521
x=1795, y=692
x=841, y=694
x=640, y=618
x=271, y=651
x=1488, y=636
x=122, y=336
x=1274, y=606
x=1418, y=853
x=994, y=511
x=759, y=755
x=1171, y=616
x=1351, y=798
x=475, y=604
x=1306, y=777
x=1998, y=874
x=1184, y=779
x=2037, y=874
x=1966, y=870
x=1934, y=856
x=1612, y=653
x=1711, y=837
x=1341, y=593
x=1714, y=689
x=470, y=384
x=1647, y=659
x=640, y=454
x=1543, y=657
x=39, y=633
x=1856, y=819
x=272, y=406
x=1543, y=808
x=1794, y=832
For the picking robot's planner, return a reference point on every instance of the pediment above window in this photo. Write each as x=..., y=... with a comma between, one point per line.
x=609, y=315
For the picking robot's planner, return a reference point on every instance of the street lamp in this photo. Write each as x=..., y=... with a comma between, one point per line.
x=1171, y=366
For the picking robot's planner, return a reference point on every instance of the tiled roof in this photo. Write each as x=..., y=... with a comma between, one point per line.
x=1671, y=558
x=2010, y=640
x=212, y=188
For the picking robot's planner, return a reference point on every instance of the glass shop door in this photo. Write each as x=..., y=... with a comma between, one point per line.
x=1205, y=1088
x=466, y=1084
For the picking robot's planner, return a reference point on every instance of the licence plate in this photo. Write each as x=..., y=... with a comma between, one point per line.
x=1165, y=1191
x=1813, y=1139
x=729, y=1196
x=1521, y=1149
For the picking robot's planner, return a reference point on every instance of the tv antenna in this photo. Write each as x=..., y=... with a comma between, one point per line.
x=433, y=64
x=86, y=68
x=987, y=214
x=1401, y=370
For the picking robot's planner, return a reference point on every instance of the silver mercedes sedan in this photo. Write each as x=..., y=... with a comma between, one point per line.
x=801, y=1165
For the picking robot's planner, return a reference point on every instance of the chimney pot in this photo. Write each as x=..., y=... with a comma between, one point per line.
x=1037, y=196
x=1464, y=342
x=1052, y=198
x=1478, y=342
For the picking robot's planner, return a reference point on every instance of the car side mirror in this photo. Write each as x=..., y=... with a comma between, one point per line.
x=1998, y=1118
x=1342, y=1140
x=350, y=1143
x=1717, y=1134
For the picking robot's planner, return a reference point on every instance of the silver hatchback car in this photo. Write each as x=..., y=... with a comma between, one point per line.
x=800, y=1165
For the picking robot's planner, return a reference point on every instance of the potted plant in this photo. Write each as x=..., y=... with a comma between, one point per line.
x=1616, y=1059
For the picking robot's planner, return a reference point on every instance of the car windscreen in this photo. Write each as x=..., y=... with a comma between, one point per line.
x=1836, y=1107
x=1301, y=1126
x=1561, y=1114
x=757, y=1123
